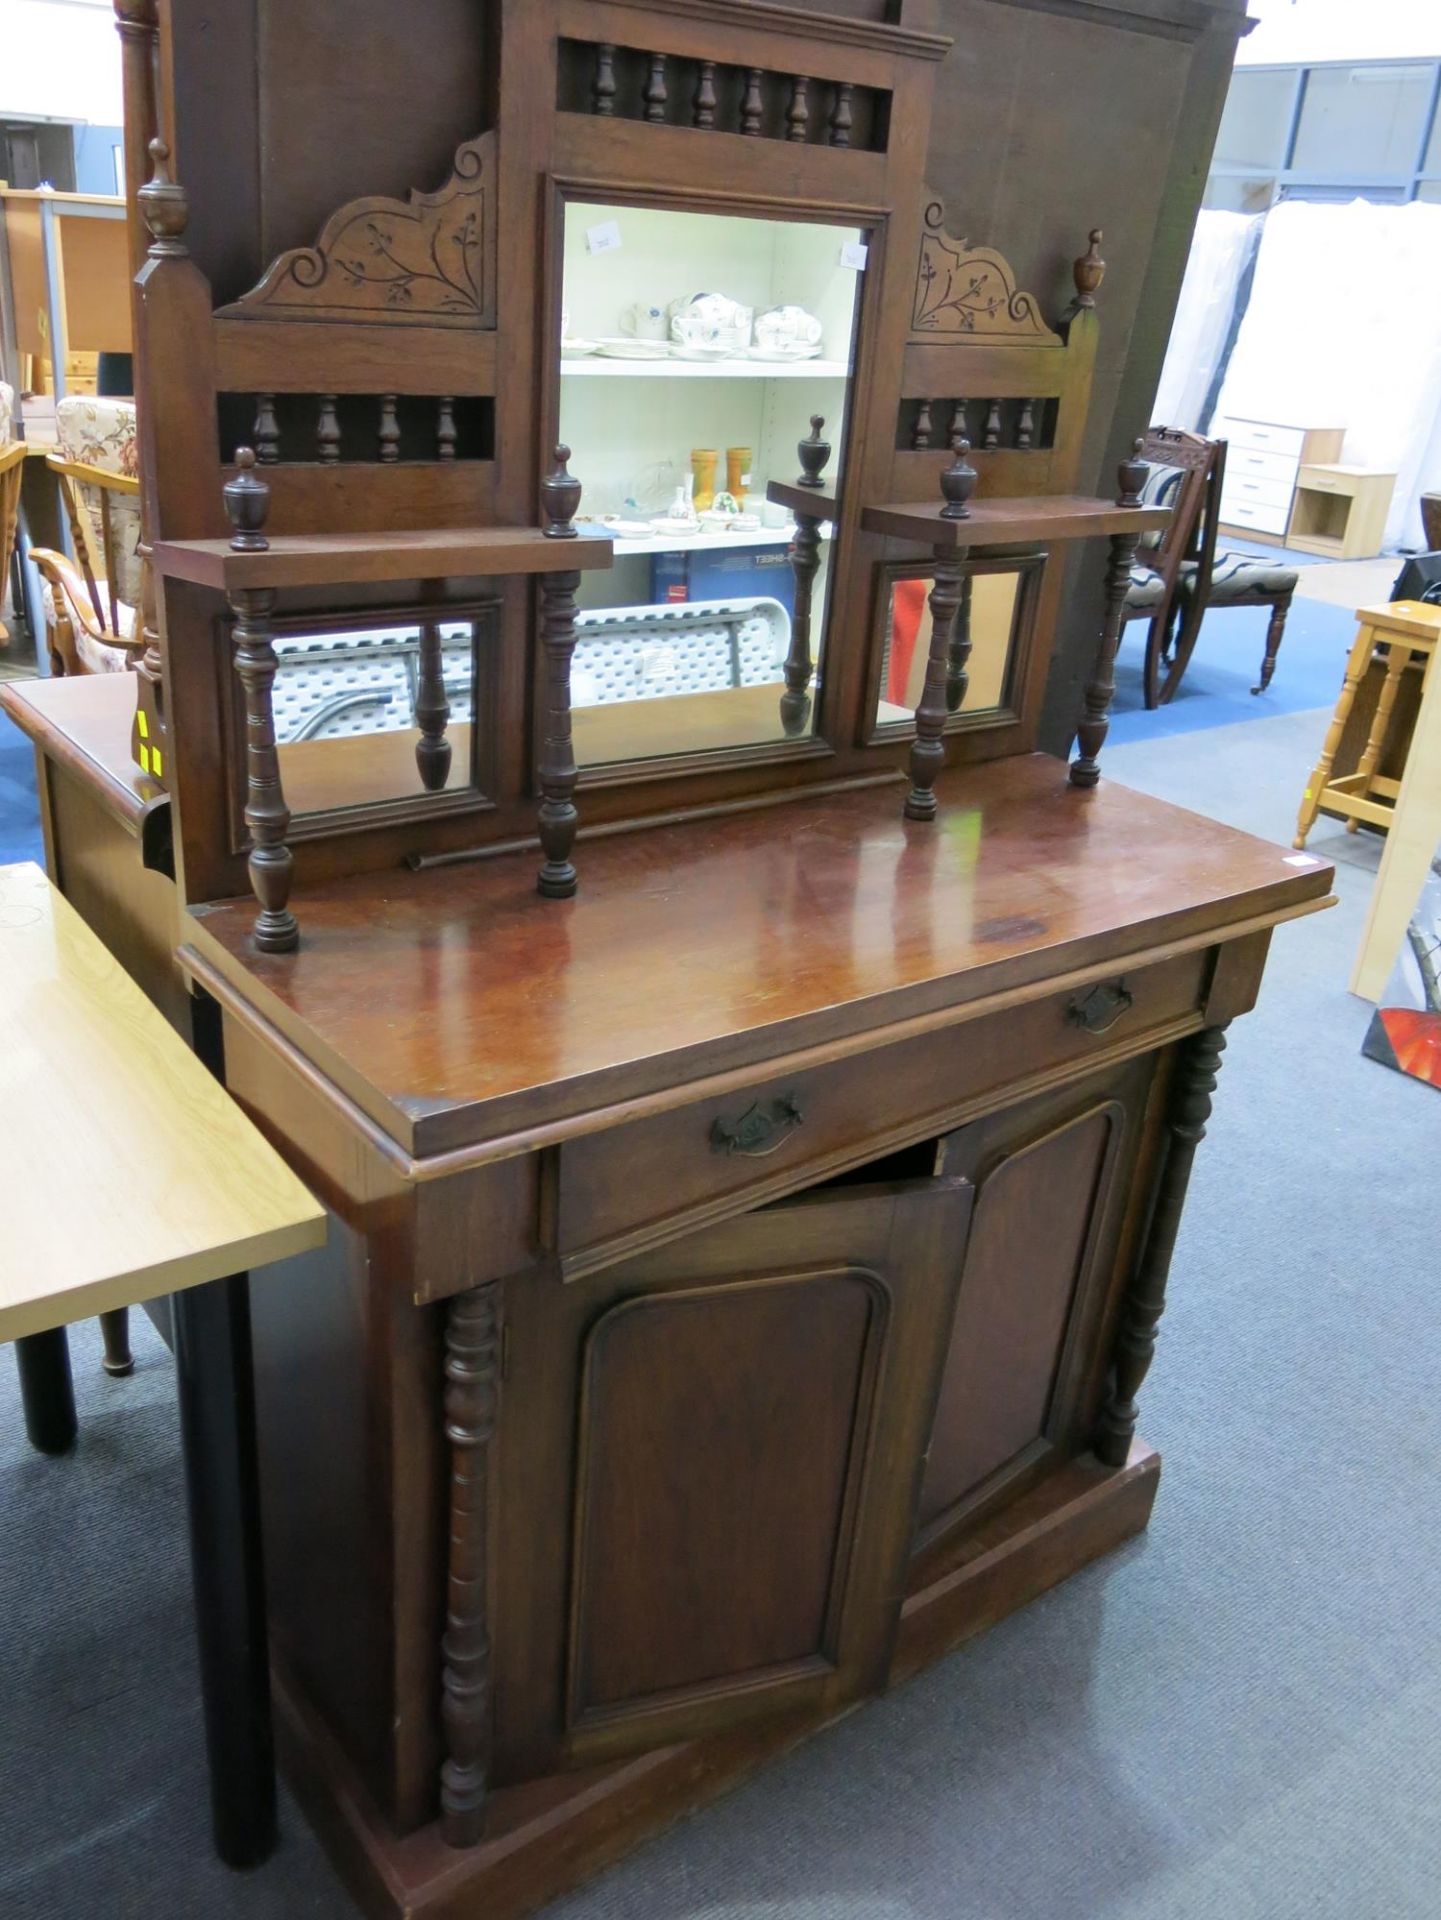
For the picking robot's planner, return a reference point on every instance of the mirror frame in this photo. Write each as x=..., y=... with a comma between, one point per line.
x=476, y=795
x=1030, y=567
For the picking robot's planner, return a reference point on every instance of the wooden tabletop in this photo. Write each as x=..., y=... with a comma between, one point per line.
x=1001, y=522
x=456, y=1007
x=428, y=553
x=83, y=721
x=127, y=1170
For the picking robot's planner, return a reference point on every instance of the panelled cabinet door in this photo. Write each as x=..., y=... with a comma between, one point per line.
x=1058, y=1199
x=710, y=1462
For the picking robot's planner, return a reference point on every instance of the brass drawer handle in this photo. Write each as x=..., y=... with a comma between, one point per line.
x=760, y=1129
x=1100, y=1009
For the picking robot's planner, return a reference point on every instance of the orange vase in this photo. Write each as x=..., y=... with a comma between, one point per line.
x=703, y=463
x=738, y=472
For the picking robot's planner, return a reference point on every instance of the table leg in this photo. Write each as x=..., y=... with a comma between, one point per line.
x=217, y=1426
x=46, y=1391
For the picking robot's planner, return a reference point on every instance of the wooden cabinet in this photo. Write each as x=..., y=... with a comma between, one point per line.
x=709, y=1465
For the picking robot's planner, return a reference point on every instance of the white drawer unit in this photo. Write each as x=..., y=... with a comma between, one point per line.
x=1263, y=461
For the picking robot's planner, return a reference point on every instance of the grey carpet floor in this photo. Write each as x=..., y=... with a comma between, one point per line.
x=1236, y=1717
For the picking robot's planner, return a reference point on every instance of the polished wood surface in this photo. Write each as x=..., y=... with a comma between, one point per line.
x=994, y=522
x=431, y=553
x=775, y=930
x=140, y=1176
x=84, y=724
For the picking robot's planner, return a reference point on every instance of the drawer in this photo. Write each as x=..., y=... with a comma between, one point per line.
x=1261, y=436
x=1241, y=487
x=1246, y=463
x=1318, y=480
x=1246, y=513
x=642, y=1182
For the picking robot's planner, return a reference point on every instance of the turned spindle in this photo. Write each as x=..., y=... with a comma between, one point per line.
x=1089, y=271
x=805, y=559
x=445, y=427
x=327, y=430
x=928, y=753
x=247, y=504
x=602, y=93
x=921, y=436
x=656, y=94
x=958, y=483
x=471, y=1405
x=1131, y=476
x=1026, y=425
x=958, y=425
x=266, y=430
x=388, y=438
x=704, y=105
x=559, y=498
x=798, y=113
x=1145, y=1299
x=1101, y=688
x=958, y=654
x=753, y=105
x=842, y=119
x=432, y=711
x=992, y=435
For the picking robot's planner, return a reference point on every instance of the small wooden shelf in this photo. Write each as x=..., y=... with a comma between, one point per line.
x=432, y=553
x=1340, y=511
x=1006, y=522
x=597, y=367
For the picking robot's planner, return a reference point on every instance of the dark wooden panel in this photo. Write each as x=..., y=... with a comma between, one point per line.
x=1032, y=1228
x=718, y=1432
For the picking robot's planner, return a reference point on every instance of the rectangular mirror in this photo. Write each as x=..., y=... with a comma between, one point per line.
x=695, y=347
x=988, y=637
x=379, y=710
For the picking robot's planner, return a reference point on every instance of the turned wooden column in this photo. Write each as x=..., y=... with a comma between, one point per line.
x=432, y=710
x=1101, y=688
x=945, y=669
x=560, y=496
x=805, y=559
x=247, y=502
x=1145, y=1301
x=958, y=660
x=472, y=1357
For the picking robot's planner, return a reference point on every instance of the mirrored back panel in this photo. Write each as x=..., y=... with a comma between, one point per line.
x=984, y=647
x=695, y=350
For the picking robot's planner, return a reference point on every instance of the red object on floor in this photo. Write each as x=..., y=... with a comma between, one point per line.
x=1416, y=1041
x=908, y=601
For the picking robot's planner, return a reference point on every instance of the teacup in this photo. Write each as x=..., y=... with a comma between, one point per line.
x=787, y=330
x=712, y=322
x=644, y=321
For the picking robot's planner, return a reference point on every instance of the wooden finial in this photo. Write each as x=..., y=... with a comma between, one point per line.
x=1089, y=271
x=559, y=498
x=958, y=483
x=1132, y=477
x=247, y=504
x=814, y=453
x=163, y=205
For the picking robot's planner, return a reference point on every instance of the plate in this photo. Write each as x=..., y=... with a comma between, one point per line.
x=683, y=351
x=576, y=349
x=620, y=347
x=783, y=354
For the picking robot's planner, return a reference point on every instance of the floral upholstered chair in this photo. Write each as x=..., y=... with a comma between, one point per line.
x=12, y=461
x=92, y=602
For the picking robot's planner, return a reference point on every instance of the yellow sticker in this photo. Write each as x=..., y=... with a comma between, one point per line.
x=155, y=763
x=1308, y=793
x=142, y=725
x=144, y=758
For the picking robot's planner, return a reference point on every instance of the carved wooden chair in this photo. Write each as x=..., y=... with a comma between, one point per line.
x=12, y=466
x=1180, y=467
x=91, y=602
x=1212, y=578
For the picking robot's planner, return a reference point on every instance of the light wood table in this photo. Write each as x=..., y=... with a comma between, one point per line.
x=142, y=1177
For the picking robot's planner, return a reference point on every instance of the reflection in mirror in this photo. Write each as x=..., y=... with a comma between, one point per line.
x=981, y=650
x=695, y=347
x=371, y=714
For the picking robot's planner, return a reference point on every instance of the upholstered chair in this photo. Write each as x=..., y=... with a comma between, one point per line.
x=92, y=602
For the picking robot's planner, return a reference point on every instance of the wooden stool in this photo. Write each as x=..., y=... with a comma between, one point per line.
x=1405, y=628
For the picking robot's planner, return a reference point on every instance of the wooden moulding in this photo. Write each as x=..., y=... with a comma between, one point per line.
x=299, y=355
x=1001, y=522
x=432, y=553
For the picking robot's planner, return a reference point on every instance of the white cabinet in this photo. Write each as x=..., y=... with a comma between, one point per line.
x=1263, y=461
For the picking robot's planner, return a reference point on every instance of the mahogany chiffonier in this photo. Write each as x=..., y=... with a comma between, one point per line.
x=602, y=602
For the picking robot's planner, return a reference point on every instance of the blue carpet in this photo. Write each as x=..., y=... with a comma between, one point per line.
x=1216, y=691
x=19, y=804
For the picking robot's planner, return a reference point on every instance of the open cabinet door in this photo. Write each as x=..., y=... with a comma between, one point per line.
x=722, y=1446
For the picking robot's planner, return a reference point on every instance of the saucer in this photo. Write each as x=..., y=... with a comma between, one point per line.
x=685, y=351
x=576, y=349
x=618, y=346
x=779, y=355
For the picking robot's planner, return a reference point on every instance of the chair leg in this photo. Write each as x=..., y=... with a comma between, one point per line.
x=115, y=1332
x=1321, y=772
x=1397, y=660
x=1274, y=631
x=1155, y=648
x=47, y=1393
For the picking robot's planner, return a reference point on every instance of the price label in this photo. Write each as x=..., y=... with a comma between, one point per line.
x=603, y=239
x=854, y=254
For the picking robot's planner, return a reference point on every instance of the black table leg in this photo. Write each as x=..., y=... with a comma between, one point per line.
x=217, y=1426
x=46, y=1391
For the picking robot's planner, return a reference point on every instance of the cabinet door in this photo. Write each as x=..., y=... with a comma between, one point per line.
x=1059, y=1181
x=710, y=1458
